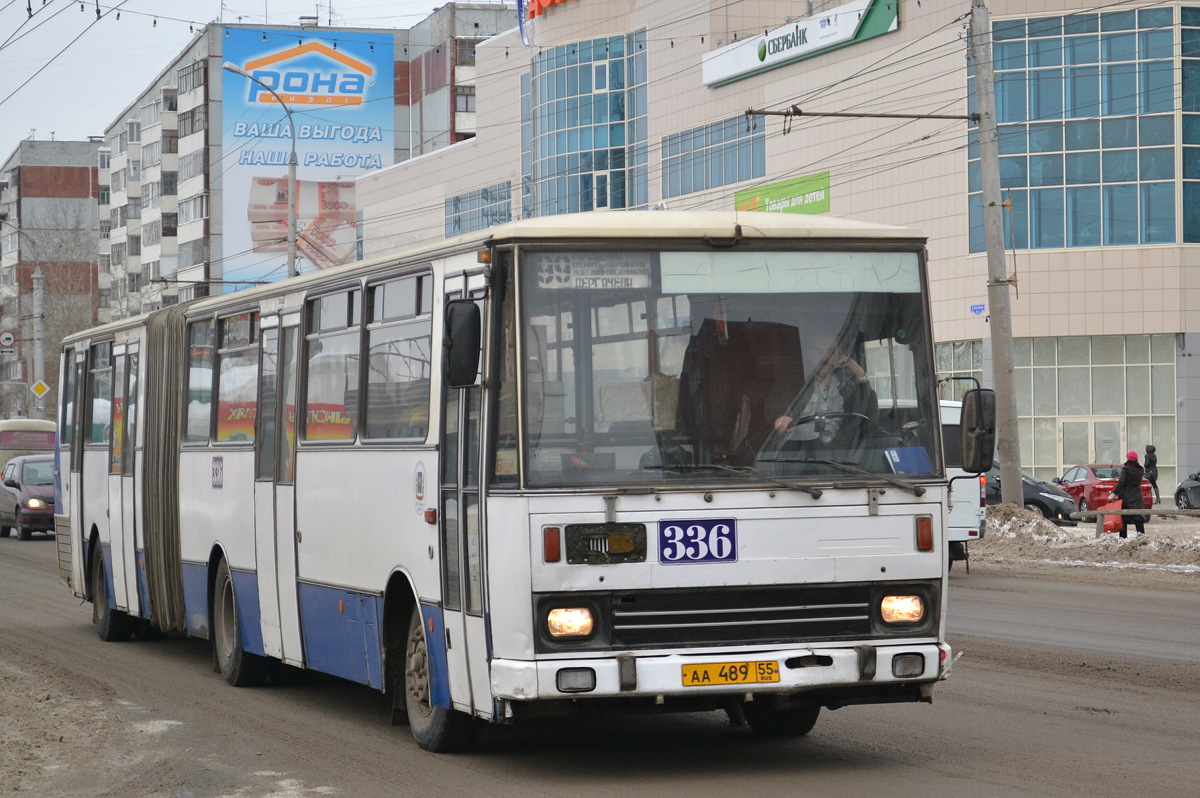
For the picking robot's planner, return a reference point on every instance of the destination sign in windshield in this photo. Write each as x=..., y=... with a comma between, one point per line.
x=588, y=271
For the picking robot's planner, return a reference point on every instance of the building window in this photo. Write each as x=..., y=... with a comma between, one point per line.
x=1086, y=129
x=152, y=153
x=464, y=99
x=477, y=210
x=713, y=155
x=169, y=222
x=170, y=141
x=192, y=253
x=193, y=208
x=584, y=126
x=192, y=121
x=464, y=50
x=191, y=76
x=134, y=129
x=192, y=164
x=103, y=195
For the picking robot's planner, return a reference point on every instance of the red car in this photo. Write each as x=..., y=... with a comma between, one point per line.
x=1090, y=485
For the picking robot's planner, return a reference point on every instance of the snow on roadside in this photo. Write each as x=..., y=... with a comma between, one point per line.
x=1013, y=534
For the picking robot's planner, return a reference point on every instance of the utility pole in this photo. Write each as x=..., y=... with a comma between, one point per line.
x=999, y=313
x=39, y=337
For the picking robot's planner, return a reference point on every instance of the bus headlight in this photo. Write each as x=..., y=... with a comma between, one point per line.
x=570, y=622
x=902, y=609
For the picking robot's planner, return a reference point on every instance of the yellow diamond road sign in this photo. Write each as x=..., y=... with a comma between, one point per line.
x=40, y=388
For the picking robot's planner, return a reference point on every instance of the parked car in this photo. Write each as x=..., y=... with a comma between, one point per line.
x=27, y=503
x=1187, y=493
x=1090, y=485
x=1041, y=497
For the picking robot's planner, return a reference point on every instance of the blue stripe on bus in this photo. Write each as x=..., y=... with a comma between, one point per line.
x=195, y=597
x=341, y=633
x=245, y=596
x=435, y=643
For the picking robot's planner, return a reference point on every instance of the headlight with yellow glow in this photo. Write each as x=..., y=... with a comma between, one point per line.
x=570, y=622
x=34, y=504
x=902, y=609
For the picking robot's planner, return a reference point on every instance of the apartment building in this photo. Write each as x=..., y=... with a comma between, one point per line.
x=49, y=233
x=197, y=164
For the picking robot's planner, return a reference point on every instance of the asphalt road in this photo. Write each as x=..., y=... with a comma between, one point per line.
x=1060, y=689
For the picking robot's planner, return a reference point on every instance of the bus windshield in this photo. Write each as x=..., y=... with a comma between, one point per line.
x=712, y=365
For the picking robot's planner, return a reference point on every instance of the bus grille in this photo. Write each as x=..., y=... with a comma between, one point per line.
x=715, y=616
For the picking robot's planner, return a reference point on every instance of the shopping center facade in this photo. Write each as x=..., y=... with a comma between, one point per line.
x=607, y=106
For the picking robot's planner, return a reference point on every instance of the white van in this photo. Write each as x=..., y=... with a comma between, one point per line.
x=966, y=517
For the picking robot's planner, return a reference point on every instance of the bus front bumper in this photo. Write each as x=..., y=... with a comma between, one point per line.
x=781, y=671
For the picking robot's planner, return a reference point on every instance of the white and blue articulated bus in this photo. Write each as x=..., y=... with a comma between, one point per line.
x=536, y=470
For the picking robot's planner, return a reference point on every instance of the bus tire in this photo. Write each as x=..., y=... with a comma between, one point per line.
x=4, y=530
x=780, y=722
x=112, y=625
x=436, y=729
x=238, y=667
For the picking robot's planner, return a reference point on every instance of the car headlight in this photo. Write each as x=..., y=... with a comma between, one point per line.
x=1052, y=497
x=35, y=503
x=902, y=609
x=570, y=622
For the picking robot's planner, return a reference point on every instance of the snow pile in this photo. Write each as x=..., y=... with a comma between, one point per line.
x=1016, y=535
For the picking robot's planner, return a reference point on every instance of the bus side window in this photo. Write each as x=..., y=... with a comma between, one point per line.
x=950, y=445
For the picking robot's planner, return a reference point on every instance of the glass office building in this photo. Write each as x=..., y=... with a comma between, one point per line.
x=611, y=107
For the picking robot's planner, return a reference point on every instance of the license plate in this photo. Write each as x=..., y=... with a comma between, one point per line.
x=730, y=673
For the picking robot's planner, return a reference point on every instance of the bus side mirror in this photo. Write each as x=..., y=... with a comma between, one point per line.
x=977, y=430
x=461, y=342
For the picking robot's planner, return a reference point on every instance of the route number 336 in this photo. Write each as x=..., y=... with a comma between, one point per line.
x=692, y=541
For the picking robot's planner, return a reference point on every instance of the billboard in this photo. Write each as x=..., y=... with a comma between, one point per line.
x=340, y=89
x=808, y=194
x=847, y=24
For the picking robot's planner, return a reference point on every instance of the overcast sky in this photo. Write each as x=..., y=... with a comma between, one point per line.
x=80, y=91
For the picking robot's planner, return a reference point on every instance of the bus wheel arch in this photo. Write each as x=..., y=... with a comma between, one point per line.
x=112, y=625
x=406, y=665
x=238, y=667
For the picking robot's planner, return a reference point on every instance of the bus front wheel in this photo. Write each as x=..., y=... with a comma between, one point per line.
x=112, y=625
x=436, y=729
x=781, y=722
x=239, y=668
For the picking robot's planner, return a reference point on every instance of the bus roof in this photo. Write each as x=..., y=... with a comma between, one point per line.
x=720, y=226
x=25, y=424
x=697, y=224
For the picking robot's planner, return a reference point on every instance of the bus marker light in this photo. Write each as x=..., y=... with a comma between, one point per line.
x=575, y=680
x=341, y=607
x=570, y=622
x=902, y=609
x=551, y=545
x=924, y=533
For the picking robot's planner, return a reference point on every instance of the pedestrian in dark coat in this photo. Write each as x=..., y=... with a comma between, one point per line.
x=1129, y=491
x=1152, y=471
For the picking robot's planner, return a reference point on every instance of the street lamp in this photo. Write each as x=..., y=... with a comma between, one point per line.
x=291, y=228
x=39, y=315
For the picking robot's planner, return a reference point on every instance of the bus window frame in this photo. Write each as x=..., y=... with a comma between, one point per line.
x=307, y=335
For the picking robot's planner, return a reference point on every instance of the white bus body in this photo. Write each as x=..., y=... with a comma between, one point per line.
x=967, y=517
x=605, y=520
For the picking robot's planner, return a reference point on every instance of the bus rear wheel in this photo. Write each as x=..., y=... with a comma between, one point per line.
x=239, y=668
x=436, y=729
x=781, y=722
x=112, y=625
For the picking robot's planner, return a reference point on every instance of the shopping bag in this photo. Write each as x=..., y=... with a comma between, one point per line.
x=1113, y=523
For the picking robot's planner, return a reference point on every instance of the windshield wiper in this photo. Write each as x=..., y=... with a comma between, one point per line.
x=746, y=471
x=917, y=490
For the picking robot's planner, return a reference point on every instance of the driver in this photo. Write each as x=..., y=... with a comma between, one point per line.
x=838, y=386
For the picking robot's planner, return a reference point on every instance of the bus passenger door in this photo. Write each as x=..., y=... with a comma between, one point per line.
x=70, y=464
x=121, y=518
x=274, y=494
x=461, y=529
